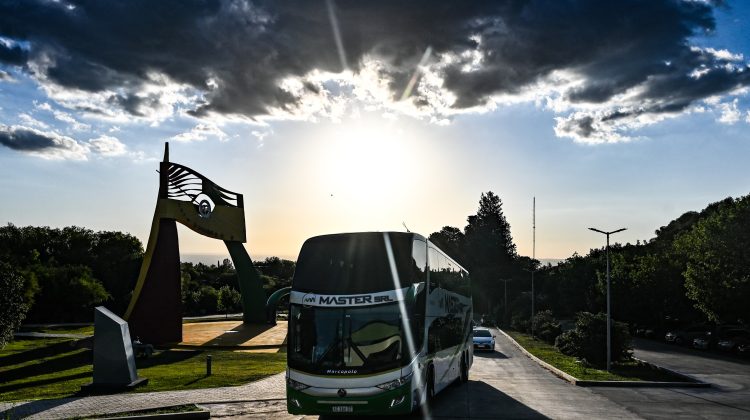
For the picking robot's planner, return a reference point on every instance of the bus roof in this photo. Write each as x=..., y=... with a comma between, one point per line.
x=390, y=233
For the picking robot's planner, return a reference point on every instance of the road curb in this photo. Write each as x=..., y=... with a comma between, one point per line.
x=189, y=415
x=209, y=348
x=690, y=382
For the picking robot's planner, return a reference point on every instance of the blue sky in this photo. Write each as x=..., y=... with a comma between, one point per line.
x=630, y=126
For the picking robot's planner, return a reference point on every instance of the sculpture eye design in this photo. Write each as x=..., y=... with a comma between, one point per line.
x=205, y=205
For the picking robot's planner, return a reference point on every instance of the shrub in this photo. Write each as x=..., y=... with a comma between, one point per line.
x=520, y=323
x=588, y=341
x=546, y=327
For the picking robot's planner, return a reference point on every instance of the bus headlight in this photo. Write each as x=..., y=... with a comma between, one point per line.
x=297, y=386
x=395, y=383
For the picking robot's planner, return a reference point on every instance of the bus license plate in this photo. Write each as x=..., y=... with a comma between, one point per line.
x=343, y=409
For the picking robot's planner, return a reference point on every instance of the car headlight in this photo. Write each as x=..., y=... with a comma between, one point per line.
x=297, y=386
x=395, y=383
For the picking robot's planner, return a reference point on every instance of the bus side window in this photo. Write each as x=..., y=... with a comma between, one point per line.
x=434, y=269
x=433, y=336
x=419, y=261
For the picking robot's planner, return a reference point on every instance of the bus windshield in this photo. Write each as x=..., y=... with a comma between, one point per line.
x=353, y=263
x=352, y=340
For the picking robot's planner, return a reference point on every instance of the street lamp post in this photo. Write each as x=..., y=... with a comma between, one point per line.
x=609, y=328
x=533, y=260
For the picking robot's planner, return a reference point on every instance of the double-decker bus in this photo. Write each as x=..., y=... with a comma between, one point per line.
x=379, y=323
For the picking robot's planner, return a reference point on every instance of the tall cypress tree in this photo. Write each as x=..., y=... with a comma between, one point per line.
x=491, y=251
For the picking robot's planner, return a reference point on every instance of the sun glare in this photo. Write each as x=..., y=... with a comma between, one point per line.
x=367, y=161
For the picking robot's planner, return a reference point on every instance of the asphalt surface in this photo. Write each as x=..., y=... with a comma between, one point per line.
x=728, y=397
x=502, y=384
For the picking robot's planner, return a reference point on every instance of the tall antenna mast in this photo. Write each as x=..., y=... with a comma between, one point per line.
x=533, y=230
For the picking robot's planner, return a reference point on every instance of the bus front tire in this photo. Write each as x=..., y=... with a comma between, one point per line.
x=431, y=384
x=464, y=372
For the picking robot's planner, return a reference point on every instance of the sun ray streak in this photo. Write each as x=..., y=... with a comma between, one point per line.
x=404, y=317
x=417, y=72
x=337, y=34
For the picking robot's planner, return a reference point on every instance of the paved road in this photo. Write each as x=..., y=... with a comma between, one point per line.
x=729, y=396
x=503, y=384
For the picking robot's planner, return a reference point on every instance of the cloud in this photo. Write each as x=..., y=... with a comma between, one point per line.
x=11, y=53
x=107, y=146
x=628, y=63
x=54, y=146
x=47, y=145
x=730, y=114
x=28, y=120
x=200, y=132
x=63, y=116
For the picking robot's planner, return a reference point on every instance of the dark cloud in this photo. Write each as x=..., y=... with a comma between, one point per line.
x=14, y=55
x=48, y=145
x=236, y=52
x=26, y=140
x=580, y=126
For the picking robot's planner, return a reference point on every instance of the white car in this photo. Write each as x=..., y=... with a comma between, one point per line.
x=483, y=339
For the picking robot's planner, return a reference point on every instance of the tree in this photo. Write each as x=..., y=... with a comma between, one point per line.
x=68, y=293
x=717, y=273
x=204, y=300
x=12, y=306
x=42, y=255
x=488, y=230
x=452, y=241
x=490, y=251
x=115, y=260
x=228, y=299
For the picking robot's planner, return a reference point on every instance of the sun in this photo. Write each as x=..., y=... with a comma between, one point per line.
x=366, y=160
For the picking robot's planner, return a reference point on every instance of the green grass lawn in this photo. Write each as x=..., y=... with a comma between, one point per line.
x=55, y=368
x=629, y=371
x=88, y=330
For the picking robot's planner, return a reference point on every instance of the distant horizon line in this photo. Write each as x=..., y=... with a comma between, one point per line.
x=209, y=258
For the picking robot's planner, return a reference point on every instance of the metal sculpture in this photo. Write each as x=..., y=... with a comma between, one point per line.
x=273, y=302
x=185, y=196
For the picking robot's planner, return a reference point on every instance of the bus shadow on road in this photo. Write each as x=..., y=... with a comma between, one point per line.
x=480, y=400
x=473, y=400
x=490, y=355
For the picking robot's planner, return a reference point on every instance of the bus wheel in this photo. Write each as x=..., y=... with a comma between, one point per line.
x=464, y=370
x=431, y=384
